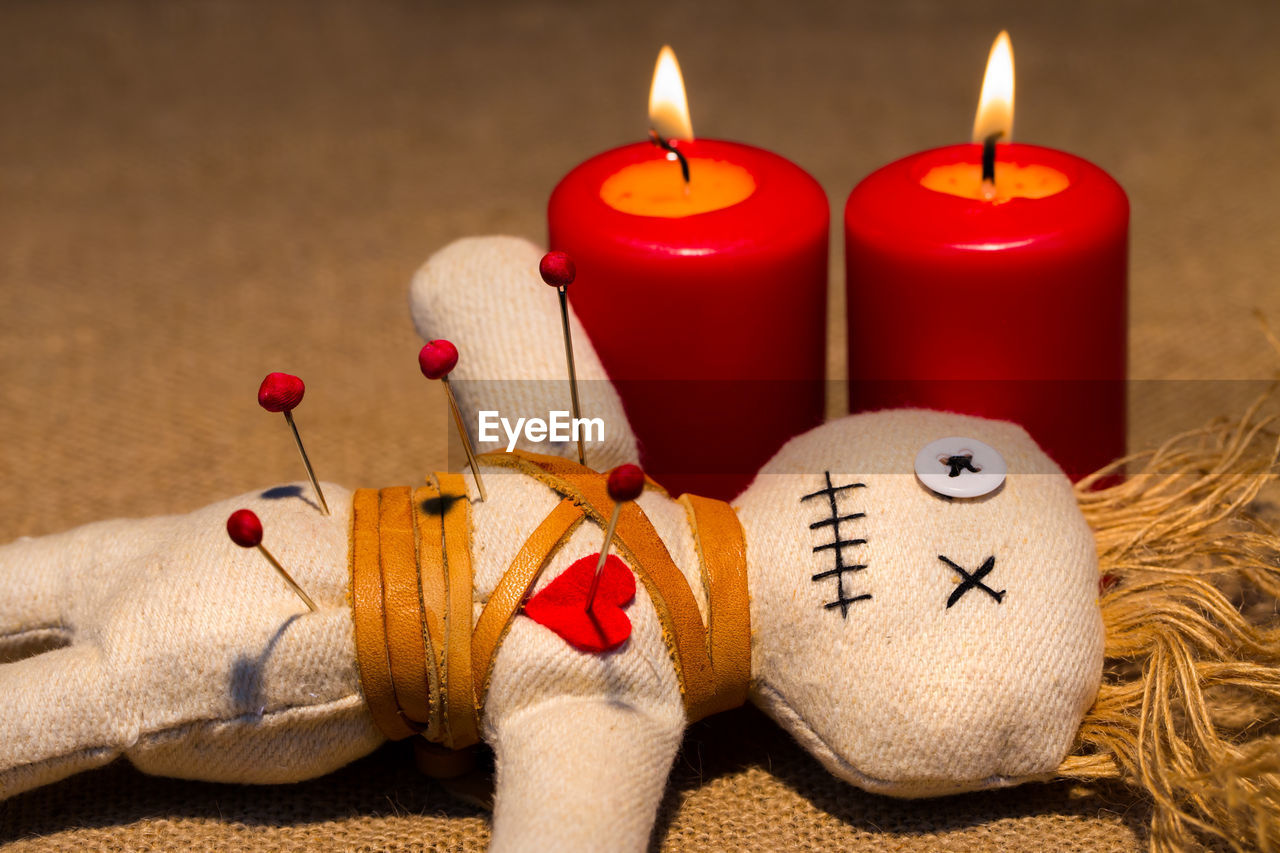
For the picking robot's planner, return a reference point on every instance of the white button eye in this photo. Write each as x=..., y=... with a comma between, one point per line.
x=960, y=467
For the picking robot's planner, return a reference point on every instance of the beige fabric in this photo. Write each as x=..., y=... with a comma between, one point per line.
x=872, y=700
x=487, y=291
x=585, y=705
x=189, y=656
x=178, y=668
x=630, y=696
x=868, y=700
x=184, y=651
x=905, y=695
x=871, y=696
x=547, y=801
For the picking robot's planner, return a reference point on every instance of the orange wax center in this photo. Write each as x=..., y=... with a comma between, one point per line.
x=1012, y=181
x=656, y=187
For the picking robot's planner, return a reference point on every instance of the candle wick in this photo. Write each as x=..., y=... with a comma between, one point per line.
x=989, y=165
x=666, y=145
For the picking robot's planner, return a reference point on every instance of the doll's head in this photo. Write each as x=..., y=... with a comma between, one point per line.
x=1122, y=633
x=919, y=643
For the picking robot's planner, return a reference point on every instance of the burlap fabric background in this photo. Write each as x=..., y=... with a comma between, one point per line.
x=193, y=194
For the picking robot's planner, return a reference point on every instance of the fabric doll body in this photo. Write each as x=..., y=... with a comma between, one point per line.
x=222, y=675
x=188, y=654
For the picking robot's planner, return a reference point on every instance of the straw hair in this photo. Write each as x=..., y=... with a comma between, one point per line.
x=1189, y=708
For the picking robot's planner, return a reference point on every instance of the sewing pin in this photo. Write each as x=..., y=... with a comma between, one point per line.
x=436, y=360
x=282, y=392
x=557, y=269
x=625, y=483
x=245, y=529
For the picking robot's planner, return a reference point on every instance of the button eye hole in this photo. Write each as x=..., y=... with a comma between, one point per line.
x=958, y=467
x=960, y=462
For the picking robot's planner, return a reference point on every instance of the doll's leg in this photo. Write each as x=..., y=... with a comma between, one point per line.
x=31, y=616
x=39, y=583
x=581, y=774
x=60, y=713
x=51, y=585
x=185, y=652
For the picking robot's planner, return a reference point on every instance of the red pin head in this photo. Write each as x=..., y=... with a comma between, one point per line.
x=625, y=483
x=244, y=528
x=557, y=269
x=437, y=358
x=280, y=392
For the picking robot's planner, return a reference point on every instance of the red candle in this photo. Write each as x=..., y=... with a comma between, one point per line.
x=706, y=302
x=1009, y=305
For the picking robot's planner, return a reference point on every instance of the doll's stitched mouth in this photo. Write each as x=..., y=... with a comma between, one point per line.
x=837, y=544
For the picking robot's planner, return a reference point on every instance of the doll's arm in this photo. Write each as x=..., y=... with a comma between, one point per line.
x=60, y=711
x=583, y=741
x=581, y=774
x=59, y=718
x=485, y=295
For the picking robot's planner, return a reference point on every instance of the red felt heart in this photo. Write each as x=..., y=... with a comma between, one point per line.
x=562, y=605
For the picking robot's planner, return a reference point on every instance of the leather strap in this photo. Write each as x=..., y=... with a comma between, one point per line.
x=677, y=609
x=425, y=669
x=429, y=514
x=367, y=612
x=722, y=554
x=509, y=594
x=403, y=602
x=458, y=694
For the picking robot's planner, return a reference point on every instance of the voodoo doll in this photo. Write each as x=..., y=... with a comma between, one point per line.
x=921, y=599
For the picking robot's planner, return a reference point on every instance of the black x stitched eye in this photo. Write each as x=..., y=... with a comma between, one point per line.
x=973, y=581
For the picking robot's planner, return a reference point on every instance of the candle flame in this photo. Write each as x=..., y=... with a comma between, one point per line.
x=995, y=106
x=668, y=105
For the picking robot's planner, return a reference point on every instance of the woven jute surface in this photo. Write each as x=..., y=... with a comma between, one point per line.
x=194, y=194
x=738, y=785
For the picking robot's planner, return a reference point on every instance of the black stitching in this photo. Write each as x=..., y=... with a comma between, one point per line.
x=843, y=603
x=960, y=462
x=856, y=567
x=830, y=490
x=837, y=545
x=973, y=581
x=826, y=521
